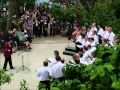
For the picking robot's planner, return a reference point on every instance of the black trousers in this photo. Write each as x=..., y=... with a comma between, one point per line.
x=36, y=30
x=45, y=32
x=39, y=32
x=8, y=60
x=46, y=83
x=52, y=32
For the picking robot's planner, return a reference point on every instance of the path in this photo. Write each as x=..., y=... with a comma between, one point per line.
x=42, y=48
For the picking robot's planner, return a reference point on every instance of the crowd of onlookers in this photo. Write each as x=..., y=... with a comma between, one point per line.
x=33, y=23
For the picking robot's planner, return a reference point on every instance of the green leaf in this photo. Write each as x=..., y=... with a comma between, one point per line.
x=100, y=70
x=89, y=67
x=116, y=85
x=109, y=67
x=93, y=75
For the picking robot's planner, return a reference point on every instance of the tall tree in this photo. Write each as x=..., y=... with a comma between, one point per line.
x=17, y=7
x=88, y=4
x=10, y=12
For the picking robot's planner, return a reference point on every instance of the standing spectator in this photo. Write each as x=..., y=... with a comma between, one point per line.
x=30, y=25
x=35, y=25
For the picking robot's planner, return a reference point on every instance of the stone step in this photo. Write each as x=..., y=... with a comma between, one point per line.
x=72, y=49
x=68, y=53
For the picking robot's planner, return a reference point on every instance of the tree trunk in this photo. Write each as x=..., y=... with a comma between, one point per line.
x=17, y=7
x=10, y=13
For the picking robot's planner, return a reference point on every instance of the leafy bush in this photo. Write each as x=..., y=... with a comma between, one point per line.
x=104, y=12
x=24, y=85
x=4, y=77
x=3, y=24
x=103, y=74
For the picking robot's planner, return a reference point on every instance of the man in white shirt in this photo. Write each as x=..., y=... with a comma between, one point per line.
x=57, y=69
x=86, y=53
x=43, y=75
x=90, y=50
x=111, y=36
x=80, y=43
x=100, y=31
x=96, y=38
x=89, y=33
x=93, y=28
x=93, y=58
x=53, y=61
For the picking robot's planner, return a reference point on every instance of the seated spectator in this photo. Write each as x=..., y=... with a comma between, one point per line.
x=43, y=75
x=22, y=38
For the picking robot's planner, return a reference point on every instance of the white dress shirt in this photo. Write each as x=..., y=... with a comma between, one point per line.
x=43, y=74
x=78, y=39
x=94, y=29
x=82, y=43
x=87, y=43
x=100, y=32
x=52, y=61
x=111, y=37
x=89, y=34
x=91, y=50
x=93, y=44
x=90, y=61
x=85, y=55
x=56, y=70
x=96, y=39
x=105, y=34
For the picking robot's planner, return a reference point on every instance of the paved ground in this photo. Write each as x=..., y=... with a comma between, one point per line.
x=42, y=48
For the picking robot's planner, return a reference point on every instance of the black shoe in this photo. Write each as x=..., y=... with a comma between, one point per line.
x=12, y=68
x=5, y=69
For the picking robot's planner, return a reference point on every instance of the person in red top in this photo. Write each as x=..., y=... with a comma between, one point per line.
x=7, y=50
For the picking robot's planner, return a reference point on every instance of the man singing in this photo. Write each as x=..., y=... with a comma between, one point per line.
x=43, y=74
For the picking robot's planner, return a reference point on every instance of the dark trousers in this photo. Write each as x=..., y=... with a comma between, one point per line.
x=39, y=32
x=36, y=31
x=8, y=60
x=52, y=32
x=78, y=49
x=45, y=32
x=46, y=83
